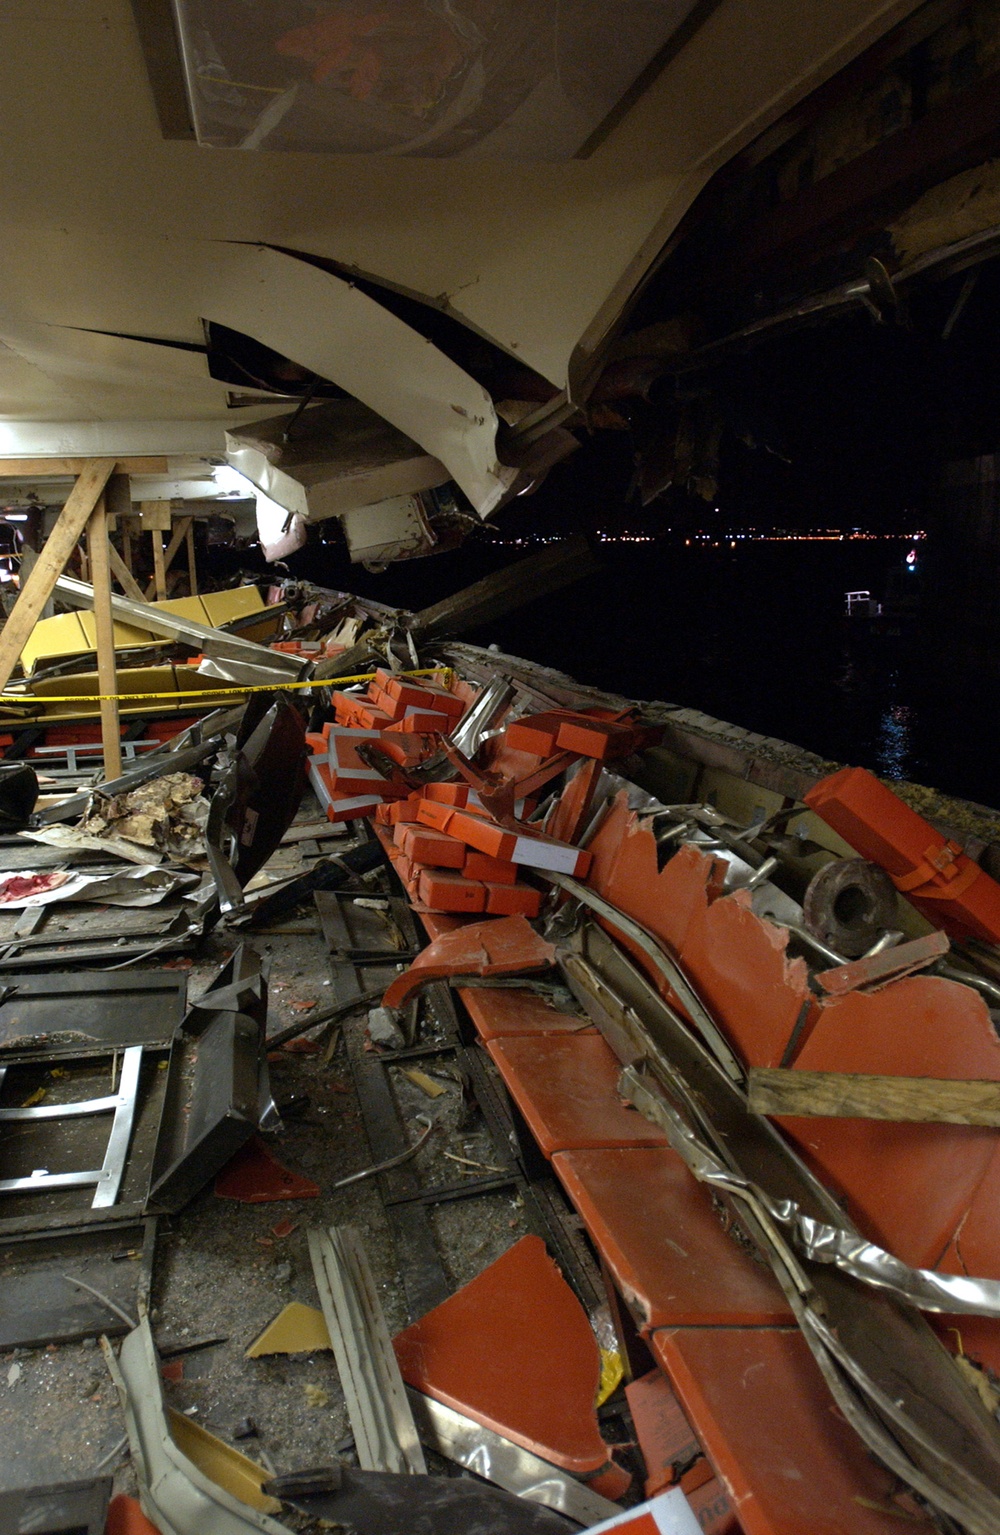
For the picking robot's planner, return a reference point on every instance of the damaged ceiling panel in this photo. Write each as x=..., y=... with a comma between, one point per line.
x=135, y=234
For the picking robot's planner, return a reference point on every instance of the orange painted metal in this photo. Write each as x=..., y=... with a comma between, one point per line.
x=514, y=1350
x=255, y=1177
x=668, y=1444
x=878, y=969
x=441, y=891
x=569, y=816
x=762, y=1410
x=499, y=946
x=908, y=1186
x=736, y=961
x=492, y=871
x=514, y=1011
x=506, y=900
x=566, y=1087
x=434, y=848
x=945, y=884
x=671, y=1259
x=125, y=1517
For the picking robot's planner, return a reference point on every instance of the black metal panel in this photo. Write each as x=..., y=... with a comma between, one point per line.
x=65, y=1508
x=39, y=1305
x=211, y=1107
x=61, y=1012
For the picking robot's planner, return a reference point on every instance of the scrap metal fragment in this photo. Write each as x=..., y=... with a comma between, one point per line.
x=490, y=1455
x=175, y=1490
x=384, y=1432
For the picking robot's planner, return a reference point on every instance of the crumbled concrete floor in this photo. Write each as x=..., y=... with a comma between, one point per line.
x=221, y=1272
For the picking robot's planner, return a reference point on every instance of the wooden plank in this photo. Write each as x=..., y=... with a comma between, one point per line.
x=181, y=528
x=154, y=516
x=40, y=468
x=122, y=574
x=906, y=1100
x=104, y=625
x=51, y=562
x=192, y=567
x=159, y=569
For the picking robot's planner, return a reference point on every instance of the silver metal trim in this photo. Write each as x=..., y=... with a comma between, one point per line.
x=385, y=1435
x=109, y=1175
x=505, y=1463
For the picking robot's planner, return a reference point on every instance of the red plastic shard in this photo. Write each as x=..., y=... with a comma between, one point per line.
x=255, y=1177
x=514, y=1350
x=125, y=1517
x=503, y=946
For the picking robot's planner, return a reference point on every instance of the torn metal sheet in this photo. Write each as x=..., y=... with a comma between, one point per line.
x=380, y=1503
x=337, y=331
x=926, y=1289
x=70, y=840
x=499, y=1460
x=65, y=1508
x=145, y=885
x=175, y=1490
x=338, y=457
x=384, y=1432
x=887, y=1373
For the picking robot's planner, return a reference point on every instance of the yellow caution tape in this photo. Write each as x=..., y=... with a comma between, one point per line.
x=40, y=699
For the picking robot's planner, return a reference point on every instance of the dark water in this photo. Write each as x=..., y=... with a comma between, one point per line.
x=754, y=635
x=757, y=636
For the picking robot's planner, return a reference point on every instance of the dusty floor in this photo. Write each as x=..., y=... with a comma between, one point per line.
x=222, y=1273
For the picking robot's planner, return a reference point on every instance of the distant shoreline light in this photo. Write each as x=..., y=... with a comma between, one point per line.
x=730, y=540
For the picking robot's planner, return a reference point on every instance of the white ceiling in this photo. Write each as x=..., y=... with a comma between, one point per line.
x=105, y=224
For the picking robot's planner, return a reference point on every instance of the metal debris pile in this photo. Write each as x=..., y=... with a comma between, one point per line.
x=549, y=975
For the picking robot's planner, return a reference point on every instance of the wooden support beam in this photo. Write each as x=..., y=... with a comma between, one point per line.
x=159, y=581
x=192, y=567
x=906, y=1100
x=104, y=625
x=122, y=573
x=41, y=468
x=181, y=528
x=49, y=566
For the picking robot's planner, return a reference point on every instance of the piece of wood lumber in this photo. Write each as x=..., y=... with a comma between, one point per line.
x=154, y=516
x=907, y=1100
x=181, y=529
x=192, y=567
x=123, y=575
x=104, y=626
x=42, y=468
x=159, y=568
x=49, y=566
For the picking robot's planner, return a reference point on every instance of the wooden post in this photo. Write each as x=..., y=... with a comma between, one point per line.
x=37, y=589
x=127, y=544
x=104, y=625
x=192, y=568
x=159, y=569
x=124, y=576
x=167, y=556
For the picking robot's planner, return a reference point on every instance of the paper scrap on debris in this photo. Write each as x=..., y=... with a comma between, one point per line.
x=144, y=885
